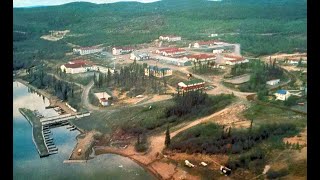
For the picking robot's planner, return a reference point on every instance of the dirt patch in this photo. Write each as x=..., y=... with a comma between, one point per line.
x=213, y=161
x=85, y=145
x=55, y=35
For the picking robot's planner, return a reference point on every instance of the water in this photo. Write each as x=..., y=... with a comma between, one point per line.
x=28, y=165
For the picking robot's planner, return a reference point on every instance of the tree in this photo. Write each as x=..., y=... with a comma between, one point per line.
x=167, y=140
x=108, y=77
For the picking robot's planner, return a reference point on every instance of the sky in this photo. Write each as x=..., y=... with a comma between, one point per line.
x=27, y=3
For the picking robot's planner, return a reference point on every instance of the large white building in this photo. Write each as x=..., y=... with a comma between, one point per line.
x=121, y=50
x=173, y=61
x=207, y=43
x=232, y=60
x=139, y=56
x=77, y=66
x=282, y=95
x=87, y=50
x=169, y=38
x=201, y=57
x=171, y=51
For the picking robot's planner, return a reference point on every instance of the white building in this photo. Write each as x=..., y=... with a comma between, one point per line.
x=200, y=57
x=173, y=61
x=104, y=98
x=217, y=51
x=170, y=38
x=273, y=82
x=207, y=43
x=232, y=60
x=171, y=51
x=77, y=66
x=87, y=50
x=139, y=56
x=213, y=35
x=121, y=50
x=282, y=95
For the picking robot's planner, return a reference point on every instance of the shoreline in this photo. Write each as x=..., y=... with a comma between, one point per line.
x=53, y=100
x=41, y=154
x=136, y=160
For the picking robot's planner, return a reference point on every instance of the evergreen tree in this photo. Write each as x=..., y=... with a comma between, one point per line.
x=167, y=140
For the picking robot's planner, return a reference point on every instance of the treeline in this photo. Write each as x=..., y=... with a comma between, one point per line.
x=140, y=23
x=239, y=69
x=212, y=139
x=203, y=67
x=41, y=80
x=196, y=103
x=132, y=78
x=260, y=74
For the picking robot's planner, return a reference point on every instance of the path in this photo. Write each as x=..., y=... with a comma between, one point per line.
x=85, y=93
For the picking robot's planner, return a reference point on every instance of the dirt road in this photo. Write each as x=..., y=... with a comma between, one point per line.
x=85, y=97
x=160, y=165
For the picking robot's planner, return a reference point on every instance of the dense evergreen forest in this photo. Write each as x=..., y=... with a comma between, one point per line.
x=261, y=27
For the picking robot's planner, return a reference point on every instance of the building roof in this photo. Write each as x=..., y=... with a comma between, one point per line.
x=282, y=91
x=273, y=80
x=89, y=48
x=172, y=50
x=200, y=56
x=234, y=58
x=207, y=42
x=170, y=36
x=141, y=54
x=75, y=65
x=124, y=48
x=102, y=95
x=191, y=83
x=81, y=61
x=78, y=63
x=103, y=100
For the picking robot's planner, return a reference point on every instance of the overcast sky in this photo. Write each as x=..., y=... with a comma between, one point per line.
x=26, y=3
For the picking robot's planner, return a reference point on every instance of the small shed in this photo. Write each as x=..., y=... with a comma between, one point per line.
x=104, y=98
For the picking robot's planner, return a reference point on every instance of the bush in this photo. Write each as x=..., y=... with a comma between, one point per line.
x=271, y=174
x=141, y=147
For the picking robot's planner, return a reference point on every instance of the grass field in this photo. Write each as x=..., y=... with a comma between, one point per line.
x=142, y=117
x=261, y=114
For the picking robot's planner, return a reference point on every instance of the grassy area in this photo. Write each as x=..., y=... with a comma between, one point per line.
x=154, y=119
x=36, y=130
x=82, y=78
x=93, y=99
x=214, y=71
x=261, y=114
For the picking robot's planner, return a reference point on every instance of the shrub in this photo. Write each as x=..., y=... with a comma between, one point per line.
x=271, y=174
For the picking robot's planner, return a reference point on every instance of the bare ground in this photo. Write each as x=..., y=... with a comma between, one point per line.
x=156, y=163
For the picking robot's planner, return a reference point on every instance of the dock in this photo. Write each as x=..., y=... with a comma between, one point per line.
x=41, y=133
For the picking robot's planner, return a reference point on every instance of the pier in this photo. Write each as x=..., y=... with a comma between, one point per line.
x=41, y=129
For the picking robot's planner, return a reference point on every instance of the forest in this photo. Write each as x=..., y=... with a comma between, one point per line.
x=279, y=28
x=212, y=139
x=63, y=90
x=132, y=78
